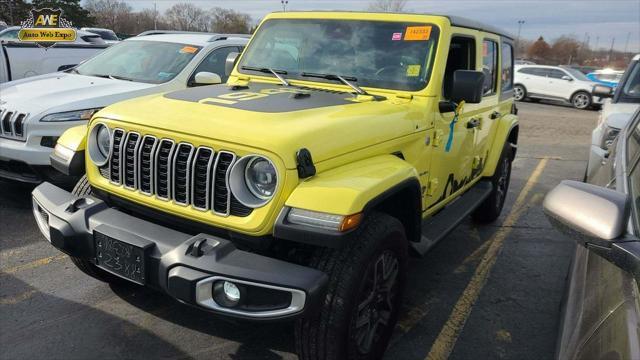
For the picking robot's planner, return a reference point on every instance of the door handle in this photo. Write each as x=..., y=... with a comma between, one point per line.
x=473, y=123
x=494, y=115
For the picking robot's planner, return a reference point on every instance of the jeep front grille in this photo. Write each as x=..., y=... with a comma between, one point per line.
x=12, y=124
x=188, y=175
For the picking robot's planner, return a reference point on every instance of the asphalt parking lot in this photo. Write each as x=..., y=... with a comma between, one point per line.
x=484, y=292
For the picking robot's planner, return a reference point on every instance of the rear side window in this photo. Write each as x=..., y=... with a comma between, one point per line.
x=533, y=71
x=557, y=74
x=507, y=67
x=490, y=66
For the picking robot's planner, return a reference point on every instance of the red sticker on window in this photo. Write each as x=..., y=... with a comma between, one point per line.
x=485, y=48
x=396, y=37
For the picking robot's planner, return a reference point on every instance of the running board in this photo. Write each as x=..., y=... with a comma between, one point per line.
x=442, y=223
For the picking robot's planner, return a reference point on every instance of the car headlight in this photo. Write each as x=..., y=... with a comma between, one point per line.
x=99, y=144
x=76, y=115
x=609, y=137
x=253, y=180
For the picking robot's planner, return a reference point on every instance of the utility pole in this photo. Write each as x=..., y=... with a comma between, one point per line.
x=155, y=16
x=284, y=5
x=626, y=44
x=597, y=41
x=613, y=41
x=520, y=22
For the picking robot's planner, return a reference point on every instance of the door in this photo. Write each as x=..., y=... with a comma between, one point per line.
x=559, y=86
x=534, y=79
x=450, y=168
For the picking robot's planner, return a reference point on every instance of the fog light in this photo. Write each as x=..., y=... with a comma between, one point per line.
x=227, y=294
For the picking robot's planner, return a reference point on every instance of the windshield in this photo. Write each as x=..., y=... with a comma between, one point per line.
x=577, y=74
x=142, y=61
x=391, y=55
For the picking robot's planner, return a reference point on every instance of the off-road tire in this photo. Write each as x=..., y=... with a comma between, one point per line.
x=83, y=188
x=581, y=100
x=330, y=333
x=490, y=209
x=519, y=92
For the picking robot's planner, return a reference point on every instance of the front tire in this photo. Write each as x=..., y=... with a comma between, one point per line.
x=490, y=209
x=581, y=100
x=366, y=283
x=83, y=188
x=519, y=93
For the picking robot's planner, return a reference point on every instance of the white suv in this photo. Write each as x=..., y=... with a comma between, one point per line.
x=35, y=111
x=554, y=83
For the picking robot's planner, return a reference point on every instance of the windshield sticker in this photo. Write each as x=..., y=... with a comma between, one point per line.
x=396, y=36
x=188, y=50
x=417, y=33
x=413, y=70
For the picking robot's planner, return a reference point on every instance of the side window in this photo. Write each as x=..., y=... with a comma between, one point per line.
x=214, y=62
x=556, y=74
x=634, y=187
x=633, y=143
x=490, y=66
x=507, y=67
x=462, y=56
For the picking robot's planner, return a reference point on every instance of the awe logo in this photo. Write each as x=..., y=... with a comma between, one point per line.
x=46, y=27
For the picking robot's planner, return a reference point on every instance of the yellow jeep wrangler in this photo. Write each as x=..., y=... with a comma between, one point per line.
x=342, y=143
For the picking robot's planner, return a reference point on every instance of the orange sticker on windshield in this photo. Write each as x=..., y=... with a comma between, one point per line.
x=189, y=50
x=417, y=33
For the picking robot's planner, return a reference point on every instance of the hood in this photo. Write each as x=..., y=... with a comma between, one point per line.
x=59, y=92
x=275, y=119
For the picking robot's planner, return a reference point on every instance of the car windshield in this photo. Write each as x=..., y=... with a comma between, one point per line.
x=392, y=55
x=632, y=83
x=142, y=61
x=576, y=74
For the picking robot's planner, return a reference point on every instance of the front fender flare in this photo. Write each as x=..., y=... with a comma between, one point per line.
x=68, y=155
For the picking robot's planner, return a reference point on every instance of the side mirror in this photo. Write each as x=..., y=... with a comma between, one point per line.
x=467, y=86
x=230, y=63
x=589, y=213
x=602, y=91
x=207, y=78
x=567, y=78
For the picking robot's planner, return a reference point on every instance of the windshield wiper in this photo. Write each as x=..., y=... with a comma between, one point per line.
x=120, y=78
x=347, y=80
x=275, y=73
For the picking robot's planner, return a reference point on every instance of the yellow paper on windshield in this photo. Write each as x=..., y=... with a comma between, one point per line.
x=413, y=70
x=417, y=33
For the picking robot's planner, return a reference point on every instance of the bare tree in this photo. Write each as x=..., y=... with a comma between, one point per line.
x=230, y=21
x=186, y=17
x=111, y=14
x=539, y=51
x=387, y=5
x=565, y=49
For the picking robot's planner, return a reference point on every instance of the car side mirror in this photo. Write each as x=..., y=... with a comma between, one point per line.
x=230, y=63
x=596, y=217
x=602, y=91
x=207, y=78
x=467, y=86
x=567, y=78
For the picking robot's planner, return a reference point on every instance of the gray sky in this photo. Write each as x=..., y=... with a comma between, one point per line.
x=602, y=20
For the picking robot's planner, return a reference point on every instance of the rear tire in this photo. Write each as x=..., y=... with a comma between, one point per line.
x=366, y=283
x=83, y=188
x=490, y=209
x=519, y=92
x=581, y=100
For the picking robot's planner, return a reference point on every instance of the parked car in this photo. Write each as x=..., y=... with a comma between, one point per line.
x=616, y=112
x=83, y=37
x=524, y=62
x=601, y=314
x=555, y=83
x=20, y=60
x=339, y=144
x=109, y=36
x=606, y=77
x=37, y=110
x=3, y=25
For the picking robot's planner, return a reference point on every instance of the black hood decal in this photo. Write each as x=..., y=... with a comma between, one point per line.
x=266, y=98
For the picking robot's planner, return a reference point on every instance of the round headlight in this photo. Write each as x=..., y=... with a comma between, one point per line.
x=253, y=180
x=103, y=137
x=261, y=178
x=99, y=144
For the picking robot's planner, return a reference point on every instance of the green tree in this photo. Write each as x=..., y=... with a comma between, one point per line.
x=72, y=11
x=14, y=11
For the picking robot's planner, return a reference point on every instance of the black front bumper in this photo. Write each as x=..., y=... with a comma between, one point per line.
x=175, y=262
